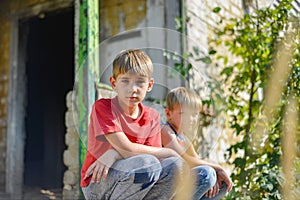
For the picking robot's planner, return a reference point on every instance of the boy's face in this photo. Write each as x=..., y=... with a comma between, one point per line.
x=131, y=88
x=183, y=118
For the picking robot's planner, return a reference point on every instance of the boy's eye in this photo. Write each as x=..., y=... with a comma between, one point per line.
x=141, y=82
x=124, y=81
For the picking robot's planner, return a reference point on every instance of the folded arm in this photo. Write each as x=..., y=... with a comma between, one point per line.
x=126, y=148
x=189, y=154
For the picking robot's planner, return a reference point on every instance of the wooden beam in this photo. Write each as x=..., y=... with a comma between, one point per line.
x=88, y=67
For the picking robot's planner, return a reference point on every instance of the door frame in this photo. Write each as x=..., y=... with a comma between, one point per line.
x=17, y=95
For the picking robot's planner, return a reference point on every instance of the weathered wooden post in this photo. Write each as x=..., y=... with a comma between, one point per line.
x=87, y=66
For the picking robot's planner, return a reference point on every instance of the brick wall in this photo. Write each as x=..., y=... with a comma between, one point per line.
x=200, y=28
x=203, y=22
x=71, y=155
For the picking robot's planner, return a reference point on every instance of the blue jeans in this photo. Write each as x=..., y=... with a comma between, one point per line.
x=138, y=177
x=145, y=177
x=206, y=179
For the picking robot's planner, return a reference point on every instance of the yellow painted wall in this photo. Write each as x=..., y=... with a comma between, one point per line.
x=21, y=4
x=118, y=13
x=4, y=68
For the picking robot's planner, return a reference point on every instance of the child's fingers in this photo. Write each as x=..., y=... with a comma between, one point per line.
x=98, y=170
x=215, y=190
x=99, y=173
x=222, y=176
x=212, y=191
x=105, y=172
x=229, y=186
x=90, y=170
x=209, y=193
x=95, y=174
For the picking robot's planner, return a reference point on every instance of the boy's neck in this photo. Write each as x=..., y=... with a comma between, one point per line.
x=131, y=111
x=175, y=129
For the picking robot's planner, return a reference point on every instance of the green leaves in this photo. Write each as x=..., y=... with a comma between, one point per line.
x=246, y=50
x=251, y=51
x=205, y=59
x=216, y=9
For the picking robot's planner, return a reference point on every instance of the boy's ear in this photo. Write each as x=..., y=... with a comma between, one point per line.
x=112, y=81
x=150, y=85
x=167, y=112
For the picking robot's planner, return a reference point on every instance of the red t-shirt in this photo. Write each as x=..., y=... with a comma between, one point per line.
x=107, y=117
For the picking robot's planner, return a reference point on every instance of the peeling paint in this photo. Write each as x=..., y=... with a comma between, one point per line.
x=88, y=41
x=117, y=16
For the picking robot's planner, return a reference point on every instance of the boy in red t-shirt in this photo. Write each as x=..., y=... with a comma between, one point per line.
x=125, y=158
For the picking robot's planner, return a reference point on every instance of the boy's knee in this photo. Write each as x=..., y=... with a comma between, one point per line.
x=142, y=161
x=147, y=160
x=206, y=176
x=149, y=171
x=173, y=167
x=176, y=163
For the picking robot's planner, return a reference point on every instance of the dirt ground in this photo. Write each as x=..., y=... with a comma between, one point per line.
x=36, y=194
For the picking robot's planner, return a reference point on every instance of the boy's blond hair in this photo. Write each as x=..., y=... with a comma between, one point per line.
x=132, y=60
x=184, y=97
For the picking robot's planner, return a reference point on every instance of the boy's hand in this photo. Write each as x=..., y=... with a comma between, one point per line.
x=99, y=169
x=222, y=176
x=213, y=191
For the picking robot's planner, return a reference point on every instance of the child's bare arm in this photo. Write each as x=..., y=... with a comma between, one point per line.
x=169, y=140
x=127, y=148
x=181, y=146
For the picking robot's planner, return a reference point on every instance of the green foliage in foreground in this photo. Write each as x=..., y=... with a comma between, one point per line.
x=254, y=40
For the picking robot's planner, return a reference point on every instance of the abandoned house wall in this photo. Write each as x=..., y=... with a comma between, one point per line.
x=229, y=9
x=144, y=24
x=117, y=16
x=9, y=10
x=200, y=31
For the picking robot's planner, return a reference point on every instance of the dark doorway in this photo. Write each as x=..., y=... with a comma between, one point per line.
x=50, y=73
